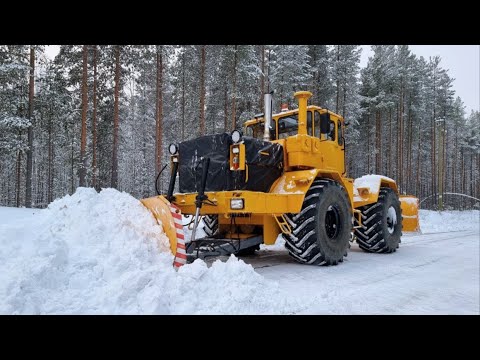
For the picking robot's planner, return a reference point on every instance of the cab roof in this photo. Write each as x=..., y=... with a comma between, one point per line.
x=259, y=119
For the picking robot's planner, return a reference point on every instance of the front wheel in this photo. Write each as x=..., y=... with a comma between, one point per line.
x=211, y=225
x=321, y=231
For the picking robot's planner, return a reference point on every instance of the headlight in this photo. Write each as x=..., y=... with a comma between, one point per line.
x=236, y=204
x=236, y=136
x=173, y=149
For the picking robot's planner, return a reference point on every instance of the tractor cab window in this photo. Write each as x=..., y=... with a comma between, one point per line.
x=331, y=133
x=317, y=124
x=288, y=125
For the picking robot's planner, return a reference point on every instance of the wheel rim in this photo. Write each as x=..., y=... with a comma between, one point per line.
x=332, y=222
x=391, y=219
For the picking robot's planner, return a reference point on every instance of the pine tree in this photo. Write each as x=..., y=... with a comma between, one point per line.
x=83, y=139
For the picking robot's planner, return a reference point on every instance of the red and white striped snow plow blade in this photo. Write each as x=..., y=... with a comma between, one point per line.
x=180, y=254
x=170, y=216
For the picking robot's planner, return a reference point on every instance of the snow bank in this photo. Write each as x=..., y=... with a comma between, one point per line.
x=436, y=221
x=98, y=253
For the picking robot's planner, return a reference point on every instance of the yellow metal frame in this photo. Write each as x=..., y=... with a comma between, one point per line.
x=254, y=202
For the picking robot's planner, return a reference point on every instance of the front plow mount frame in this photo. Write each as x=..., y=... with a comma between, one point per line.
x=213, y=246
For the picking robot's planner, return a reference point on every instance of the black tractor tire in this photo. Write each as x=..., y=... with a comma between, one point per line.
x=211, y=225
x=382, y=224
x=321, y=231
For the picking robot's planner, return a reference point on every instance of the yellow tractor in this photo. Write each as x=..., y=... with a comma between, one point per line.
x=284, y=174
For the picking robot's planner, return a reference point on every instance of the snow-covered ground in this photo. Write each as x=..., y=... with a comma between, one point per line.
x=95, y=253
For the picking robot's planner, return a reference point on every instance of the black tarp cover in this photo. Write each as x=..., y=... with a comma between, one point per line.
x=263, y=169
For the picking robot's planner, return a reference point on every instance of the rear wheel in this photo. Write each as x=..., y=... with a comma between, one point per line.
x=322, y=230
x=382, y=224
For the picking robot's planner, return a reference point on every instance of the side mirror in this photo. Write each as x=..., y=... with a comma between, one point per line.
x=324, y=123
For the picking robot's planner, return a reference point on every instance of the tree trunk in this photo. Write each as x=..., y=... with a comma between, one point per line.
x=477, y=177
x=378, y=150
x=115, y=119
x=440, y=172
x=18, y=176
x=202, y=91
x=159, y=112
x=344, y=90
x=31, y=94
x=94, y=121
x=472, y=179
x=400, y=139
x=234, y=97
x=419, y=161
x=409, y=149
x=463, y=177
x=83, y=138
x=338, y=81
x=50, y=161
x=225, y=106
x=455, y=150
x=262, y=76
x=72, y=175
x=390, y=146
x=368, y=142
x=183, y=96
x=444, y=158
x=433, y=143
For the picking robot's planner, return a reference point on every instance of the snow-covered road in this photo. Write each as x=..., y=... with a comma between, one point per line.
x=98, y=253
x=430, y=274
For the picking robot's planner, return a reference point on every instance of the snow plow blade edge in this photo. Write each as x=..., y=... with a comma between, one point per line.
x=410, y=205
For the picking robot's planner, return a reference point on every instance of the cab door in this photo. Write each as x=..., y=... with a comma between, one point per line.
x=330, y=150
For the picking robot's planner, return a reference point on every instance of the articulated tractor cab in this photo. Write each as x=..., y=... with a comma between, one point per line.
x=284, y=175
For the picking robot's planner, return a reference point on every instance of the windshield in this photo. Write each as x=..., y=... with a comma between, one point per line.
x=287, y=126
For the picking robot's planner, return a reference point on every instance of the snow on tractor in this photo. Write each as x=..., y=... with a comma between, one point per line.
x=284, y=175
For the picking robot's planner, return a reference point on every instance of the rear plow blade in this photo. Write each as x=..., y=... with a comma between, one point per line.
x=410, y=205
x=161, y=209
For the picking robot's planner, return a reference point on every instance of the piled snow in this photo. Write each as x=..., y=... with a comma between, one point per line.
x=446, y=221
x=98, y=253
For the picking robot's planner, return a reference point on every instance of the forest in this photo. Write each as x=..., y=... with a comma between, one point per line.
x=103, y=115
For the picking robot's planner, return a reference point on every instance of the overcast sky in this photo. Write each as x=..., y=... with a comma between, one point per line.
x=463, y=62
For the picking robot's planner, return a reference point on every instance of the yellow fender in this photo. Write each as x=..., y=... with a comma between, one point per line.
x=367, y=188
x=160, y=209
